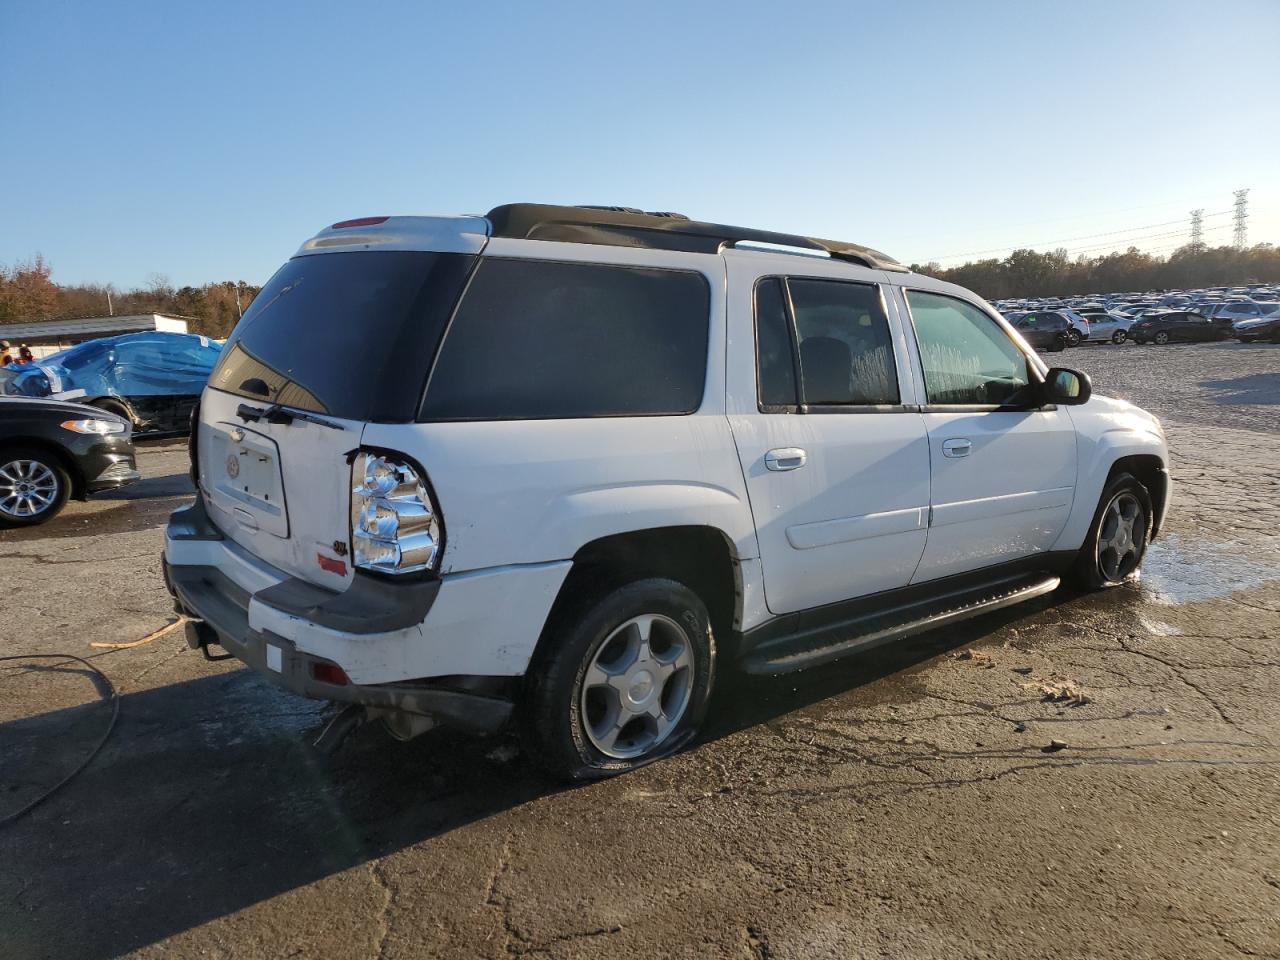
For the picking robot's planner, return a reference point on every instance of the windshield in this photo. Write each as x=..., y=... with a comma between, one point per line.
x=347, y=334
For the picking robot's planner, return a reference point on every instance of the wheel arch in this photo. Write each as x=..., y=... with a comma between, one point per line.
x=1149, y=470
x=702, y=557
x=79, y=489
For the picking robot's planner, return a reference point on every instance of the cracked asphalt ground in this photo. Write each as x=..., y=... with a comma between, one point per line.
x=900, y=804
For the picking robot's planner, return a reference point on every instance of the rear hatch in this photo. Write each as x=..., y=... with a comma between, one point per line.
x=335, y=340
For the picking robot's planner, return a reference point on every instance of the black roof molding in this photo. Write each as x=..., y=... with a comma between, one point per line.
x=628, y=227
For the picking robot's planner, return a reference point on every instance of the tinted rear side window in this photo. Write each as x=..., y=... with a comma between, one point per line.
x=348, y=334
x=534, y=339
x=775, y=365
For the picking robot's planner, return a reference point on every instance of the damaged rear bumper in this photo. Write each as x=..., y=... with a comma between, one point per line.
x=219, y=609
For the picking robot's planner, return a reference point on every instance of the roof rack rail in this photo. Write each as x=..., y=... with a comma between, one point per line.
x=629, y=227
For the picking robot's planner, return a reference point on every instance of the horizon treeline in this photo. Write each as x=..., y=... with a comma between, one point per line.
x=29, y=295
x=1030, y=273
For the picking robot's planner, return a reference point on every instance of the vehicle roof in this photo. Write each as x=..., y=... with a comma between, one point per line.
x=608, y=226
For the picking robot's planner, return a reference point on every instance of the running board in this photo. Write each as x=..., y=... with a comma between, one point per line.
x=782, y=656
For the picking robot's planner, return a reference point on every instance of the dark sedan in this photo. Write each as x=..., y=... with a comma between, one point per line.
x=51, y=450
x=1177, y=325
x=1249, y=331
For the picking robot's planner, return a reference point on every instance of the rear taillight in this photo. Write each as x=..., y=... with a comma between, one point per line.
x=359, y=222
x=395, y=526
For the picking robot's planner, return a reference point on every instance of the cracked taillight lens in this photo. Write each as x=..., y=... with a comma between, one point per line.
x=395, y=527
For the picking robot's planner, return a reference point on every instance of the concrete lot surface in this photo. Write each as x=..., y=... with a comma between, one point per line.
x=901, y=804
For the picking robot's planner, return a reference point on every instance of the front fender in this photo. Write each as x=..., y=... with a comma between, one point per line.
x=1108, y=430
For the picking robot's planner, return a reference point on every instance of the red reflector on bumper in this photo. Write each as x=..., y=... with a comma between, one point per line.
x=332, y=564
x=330, y=673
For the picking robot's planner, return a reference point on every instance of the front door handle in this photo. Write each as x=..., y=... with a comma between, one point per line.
x=956, y=448
x=785, y=458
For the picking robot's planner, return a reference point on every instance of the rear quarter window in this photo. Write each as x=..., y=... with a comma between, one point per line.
x=537, y=339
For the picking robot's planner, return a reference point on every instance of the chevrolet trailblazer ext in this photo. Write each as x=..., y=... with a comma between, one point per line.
x=555, y=466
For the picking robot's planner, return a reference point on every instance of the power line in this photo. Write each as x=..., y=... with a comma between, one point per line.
x=1091, y=236
x=1153, y=236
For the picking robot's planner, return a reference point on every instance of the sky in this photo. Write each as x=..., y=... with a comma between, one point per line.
x=206, y=141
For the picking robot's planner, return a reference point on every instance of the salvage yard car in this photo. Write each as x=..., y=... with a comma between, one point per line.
x=152, y=379
x=609, y=454
x=51, y=451
x=1166, y=327
x=1043, y=330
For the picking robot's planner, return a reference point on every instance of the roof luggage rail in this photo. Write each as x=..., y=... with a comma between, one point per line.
x=629, y=227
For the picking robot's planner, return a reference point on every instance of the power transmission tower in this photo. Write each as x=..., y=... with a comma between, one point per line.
x=1241, y=235
x=1197, y=230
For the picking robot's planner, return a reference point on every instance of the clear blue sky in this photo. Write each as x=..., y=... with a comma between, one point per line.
x=205, y=141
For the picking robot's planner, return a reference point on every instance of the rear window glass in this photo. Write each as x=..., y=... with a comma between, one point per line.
x=534, y=339
x=347, y=334
x=846, y=355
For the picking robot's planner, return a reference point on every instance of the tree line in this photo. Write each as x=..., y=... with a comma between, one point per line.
x=1030, y=273
x=28, y=294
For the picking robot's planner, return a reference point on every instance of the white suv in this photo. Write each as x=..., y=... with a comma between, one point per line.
x=556, y=466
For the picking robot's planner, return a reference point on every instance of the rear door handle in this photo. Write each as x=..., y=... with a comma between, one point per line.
x=785, y=458
x=956, y=448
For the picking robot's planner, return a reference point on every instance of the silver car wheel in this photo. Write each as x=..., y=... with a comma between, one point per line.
x=637, y=686
x=27, y=488
x=1121, y=537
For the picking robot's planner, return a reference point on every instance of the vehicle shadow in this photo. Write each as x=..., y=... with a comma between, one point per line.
x=1256, y=388
x=142, y=505
x=207, y=798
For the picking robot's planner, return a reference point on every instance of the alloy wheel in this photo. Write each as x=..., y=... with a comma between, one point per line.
x=637, y=686
x=1119, y=336
x=1121, y=537
x=27, y=488
x=1162, y=337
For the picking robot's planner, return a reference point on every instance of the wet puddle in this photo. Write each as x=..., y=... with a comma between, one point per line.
x=1180, y=570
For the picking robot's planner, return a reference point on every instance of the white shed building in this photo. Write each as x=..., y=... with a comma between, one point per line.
x=50, y=336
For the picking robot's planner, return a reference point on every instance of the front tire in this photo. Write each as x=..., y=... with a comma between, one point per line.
x=1119, y=337
x=33, y=486
x=621, y=679
x=1074, y=338
x=1117, y=543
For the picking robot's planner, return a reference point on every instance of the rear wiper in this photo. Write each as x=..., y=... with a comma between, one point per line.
x=278, y=414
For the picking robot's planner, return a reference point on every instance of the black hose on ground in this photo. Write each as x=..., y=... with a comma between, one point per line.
x=111, y=724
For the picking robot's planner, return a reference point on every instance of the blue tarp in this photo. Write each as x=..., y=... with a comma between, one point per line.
x=132, y=365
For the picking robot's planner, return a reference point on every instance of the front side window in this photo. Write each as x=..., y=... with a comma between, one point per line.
x=844, y=345
x=968, y=359
x=537, y=339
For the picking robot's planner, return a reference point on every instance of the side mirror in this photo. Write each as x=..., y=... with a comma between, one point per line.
x=1067, y=387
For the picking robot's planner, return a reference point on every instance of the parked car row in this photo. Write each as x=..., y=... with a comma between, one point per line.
x=1248, y=314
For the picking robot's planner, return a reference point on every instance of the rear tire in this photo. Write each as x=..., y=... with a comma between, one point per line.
x=1117, y=542
x=1161, y=337
x=34, y=486
x=621, y=679
x=1074, y=338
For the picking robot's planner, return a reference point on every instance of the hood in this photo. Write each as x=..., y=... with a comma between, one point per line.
x=62, y=408
x=1124, y=413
